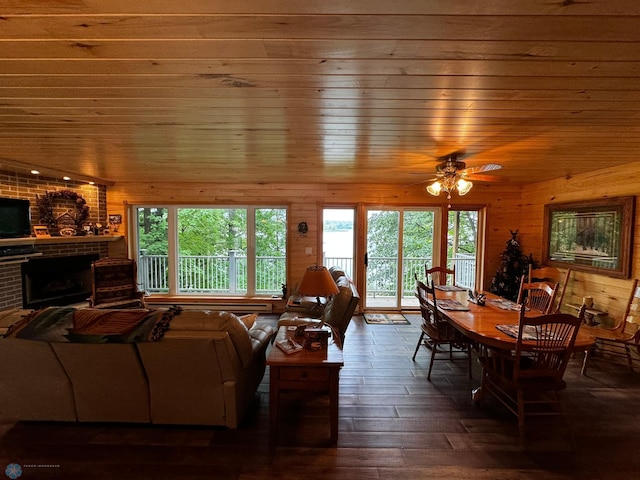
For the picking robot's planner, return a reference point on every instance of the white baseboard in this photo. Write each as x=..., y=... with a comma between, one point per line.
x=228, y=307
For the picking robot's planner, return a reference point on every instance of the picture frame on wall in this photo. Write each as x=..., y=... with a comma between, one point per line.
x=41, y=231
x=591, y=236
x=115, y=220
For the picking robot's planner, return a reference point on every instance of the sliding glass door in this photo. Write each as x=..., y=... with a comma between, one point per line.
x=400, y=242
x=338, y=239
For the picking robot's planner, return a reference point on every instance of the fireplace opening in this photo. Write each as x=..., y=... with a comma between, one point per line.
x=56, y=281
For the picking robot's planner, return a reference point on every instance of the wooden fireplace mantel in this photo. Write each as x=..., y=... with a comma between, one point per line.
x=53, y=240
x=24, y=257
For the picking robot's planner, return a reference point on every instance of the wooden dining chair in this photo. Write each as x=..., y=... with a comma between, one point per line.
x=436, y=330
x=617, y=342
x=539, y=296
x=528, y=380
x=551, y=275
x=441, y=275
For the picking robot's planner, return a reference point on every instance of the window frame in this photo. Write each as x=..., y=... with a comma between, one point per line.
x=173, y=246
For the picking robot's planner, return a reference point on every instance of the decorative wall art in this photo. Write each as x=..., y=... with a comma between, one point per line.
x=592, y=236
x=115, y=220
x=71, y=221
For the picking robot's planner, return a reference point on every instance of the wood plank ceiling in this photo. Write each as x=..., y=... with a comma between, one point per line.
x=333, y=91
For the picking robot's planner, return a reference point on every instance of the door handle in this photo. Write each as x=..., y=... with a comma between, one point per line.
x=366, y=260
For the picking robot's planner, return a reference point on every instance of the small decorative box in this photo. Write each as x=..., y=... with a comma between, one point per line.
x=316, y=338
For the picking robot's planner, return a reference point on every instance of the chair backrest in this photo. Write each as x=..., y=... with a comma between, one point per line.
x=441, y=275
x=551, y=275
x=631, y=319
x=429, y=308
x=545, y=344
x=539, y=296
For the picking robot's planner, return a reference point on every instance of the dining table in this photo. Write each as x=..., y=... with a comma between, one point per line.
x=480, y=322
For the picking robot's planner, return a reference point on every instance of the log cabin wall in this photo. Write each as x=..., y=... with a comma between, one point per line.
x=305, y=202
x=609, y=294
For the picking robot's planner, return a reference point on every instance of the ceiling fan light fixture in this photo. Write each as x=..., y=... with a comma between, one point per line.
x=435, y=188
x=463, y=186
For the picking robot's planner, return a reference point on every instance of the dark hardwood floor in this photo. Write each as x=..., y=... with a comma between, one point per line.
x=394, y=424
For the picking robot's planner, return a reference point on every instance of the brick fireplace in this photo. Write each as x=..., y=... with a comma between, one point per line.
x=55, y=281
x=11, y=275
x=15, y=185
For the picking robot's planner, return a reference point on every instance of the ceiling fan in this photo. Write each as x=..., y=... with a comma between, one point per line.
x=452, y=174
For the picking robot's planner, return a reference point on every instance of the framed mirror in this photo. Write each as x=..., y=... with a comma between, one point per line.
x=592, y=236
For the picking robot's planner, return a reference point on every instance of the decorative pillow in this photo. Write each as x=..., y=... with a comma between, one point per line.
x=249, y=320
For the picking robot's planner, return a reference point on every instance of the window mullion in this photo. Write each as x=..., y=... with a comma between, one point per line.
x=172, y=242
x=251, y=251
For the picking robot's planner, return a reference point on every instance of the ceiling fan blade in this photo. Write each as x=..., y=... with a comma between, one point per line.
x=486, y=178
x=481, y=168
x=414, y=184
x=422, y=181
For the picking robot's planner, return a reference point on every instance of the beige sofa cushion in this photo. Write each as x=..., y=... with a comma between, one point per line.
x=109, y=383
x=33, y=384
x=204, y=320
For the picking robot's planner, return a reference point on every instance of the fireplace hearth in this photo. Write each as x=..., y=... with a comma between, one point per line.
x=56, y=281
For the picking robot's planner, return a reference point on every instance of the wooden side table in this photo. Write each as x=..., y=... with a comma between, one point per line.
x=591, y=315
x=305, y=370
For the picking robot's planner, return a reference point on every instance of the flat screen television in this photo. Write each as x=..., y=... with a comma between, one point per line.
x=15, y=218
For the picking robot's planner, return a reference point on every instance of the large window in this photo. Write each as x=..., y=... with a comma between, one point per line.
x=206, y=250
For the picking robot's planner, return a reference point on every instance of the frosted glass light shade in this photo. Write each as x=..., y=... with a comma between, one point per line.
x=435, y=188
x=463, y=186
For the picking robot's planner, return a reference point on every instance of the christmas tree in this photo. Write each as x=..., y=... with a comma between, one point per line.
x=513, y=264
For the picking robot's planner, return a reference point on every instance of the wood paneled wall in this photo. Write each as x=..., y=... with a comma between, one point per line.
x=305, y=203
x=508, y=208
x=609, y=294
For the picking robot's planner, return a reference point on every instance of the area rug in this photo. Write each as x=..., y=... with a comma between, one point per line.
x=386, y=319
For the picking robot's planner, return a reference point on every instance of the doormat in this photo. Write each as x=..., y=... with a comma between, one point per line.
x=386, y=319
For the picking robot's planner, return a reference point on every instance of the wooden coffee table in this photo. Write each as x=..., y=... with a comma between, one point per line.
x=305, y=370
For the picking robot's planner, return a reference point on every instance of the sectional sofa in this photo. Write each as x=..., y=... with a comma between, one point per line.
x=163, y=366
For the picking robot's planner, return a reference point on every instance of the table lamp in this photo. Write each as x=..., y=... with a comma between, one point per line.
x=318, y=282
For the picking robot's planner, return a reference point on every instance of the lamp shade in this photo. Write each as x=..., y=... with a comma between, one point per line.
x=464, y=186
x=317, y=282
x=435, y=188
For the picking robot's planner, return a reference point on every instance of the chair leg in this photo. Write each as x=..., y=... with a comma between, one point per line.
x=521, y=412
x=478, y=393
x=629, y=359
x=434, y=348
x=585, y=361
x=418, y=346
x=469, y=360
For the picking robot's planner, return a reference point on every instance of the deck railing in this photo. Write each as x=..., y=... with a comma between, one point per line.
x=213, y=274
x=382, y=272
x=228, y=274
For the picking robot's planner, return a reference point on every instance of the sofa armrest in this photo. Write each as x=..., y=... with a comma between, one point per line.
x=307, y=306
x=260, y=337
